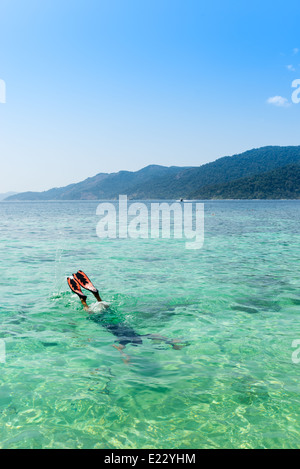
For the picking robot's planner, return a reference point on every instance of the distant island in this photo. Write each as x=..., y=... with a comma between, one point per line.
x=264, y=173
x=6, y=194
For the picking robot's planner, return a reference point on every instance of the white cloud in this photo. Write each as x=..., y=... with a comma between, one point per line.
x=278, y=101
x=295, y=51
x=291, y=68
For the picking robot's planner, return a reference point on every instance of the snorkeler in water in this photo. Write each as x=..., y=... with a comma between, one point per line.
x=125, y=334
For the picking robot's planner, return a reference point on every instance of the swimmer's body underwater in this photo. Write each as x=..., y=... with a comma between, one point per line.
x=125, y=334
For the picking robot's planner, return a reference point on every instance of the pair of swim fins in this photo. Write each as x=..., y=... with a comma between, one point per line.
x=80, y=279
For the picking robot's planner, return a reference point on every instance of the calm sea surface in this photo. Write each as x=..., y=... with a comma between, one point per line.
x=235, y=304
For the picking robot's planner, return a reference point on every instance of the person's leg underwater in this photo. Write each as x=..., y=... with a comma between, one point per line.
x=176, y=344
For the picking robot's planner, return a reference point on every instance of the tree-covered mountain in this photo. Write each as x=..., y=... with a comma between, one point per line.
x=227, y=177
x=103, y=185
x=280, y=183
x=229, y=168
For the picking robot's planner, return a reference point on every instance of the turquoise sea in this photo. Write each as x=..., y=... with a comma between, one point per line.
x=235, y=303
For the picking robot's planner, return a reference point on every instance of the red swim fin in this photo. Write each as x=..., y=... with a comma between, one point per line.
x=84, y=281
x=75, y=287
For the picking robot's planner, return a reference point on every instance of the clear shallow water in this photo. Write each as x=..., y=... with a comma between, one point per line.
x=236, y=302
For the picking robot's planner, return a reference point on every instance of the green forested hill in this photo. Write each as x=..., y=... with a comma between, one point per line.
x=103, y=185
x=281, y=183
x=189, y=182
x=237, y=176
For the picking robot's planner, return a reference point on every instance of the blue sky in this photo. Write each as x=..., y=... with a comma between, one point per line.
x=99, y=86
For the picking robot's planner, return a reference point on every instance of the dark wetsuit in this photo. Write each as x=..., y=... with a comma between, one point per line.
x=125, y=334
